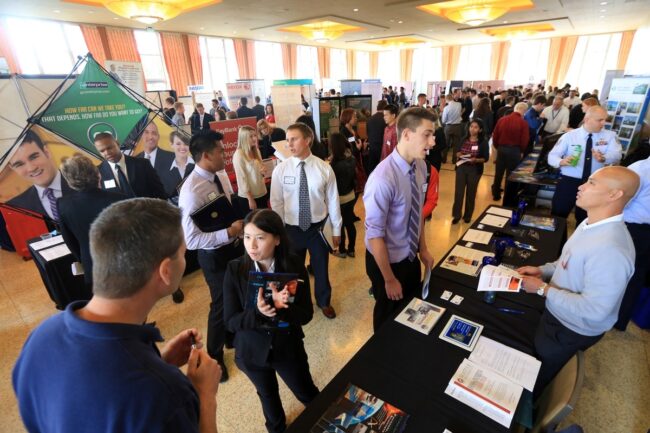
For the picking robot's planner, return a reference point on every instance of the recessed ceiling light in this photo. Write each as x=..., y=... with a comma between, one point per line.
x=56, y=11
x=234, y=32
x=602, y=16
x=115, y=18
x=355, y=10
x=91, y=12
x=201, y=28
x=505, y=22
x=400, y=22
x=602, y=11
x=603, y=3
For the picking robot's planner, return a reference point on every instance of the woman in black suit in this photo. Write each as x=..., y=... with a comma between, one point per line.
x=182, y=165
x=268, y=334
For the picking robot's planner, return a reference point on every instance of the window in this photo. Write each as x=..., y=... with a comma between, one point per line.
x=338, y=64
x=45, y=47
x=427, y=66
x=307, y=59
x=153, y=64
x=268, y=63
x=363, y=64
x=219, y=64
x=527, y=62
x=474, y=62
x=637, y=61
x=593, y=56
x=388, y=67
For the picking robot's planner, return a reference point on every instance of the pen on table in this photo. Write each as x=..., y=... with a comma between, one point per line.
x=510, y=311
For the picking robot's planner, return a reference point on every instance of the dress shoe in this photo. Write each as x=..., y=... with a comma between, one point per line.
x=328, y=311
x=350, y=254
x=339, y=254
x=455, y=220
x=178, y=296
x=496, y=197
x=467, y=220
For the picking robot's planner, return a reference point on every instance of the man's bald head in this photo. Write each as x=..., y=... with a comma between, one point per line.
x=595, y=118
x=607, y=191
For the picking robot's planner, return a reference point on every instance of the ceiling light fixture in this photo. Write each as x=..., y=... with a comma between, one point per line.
x=321, y=31
x=603, y=3
x=475, y=12
x=355, y=10
x=148, y=11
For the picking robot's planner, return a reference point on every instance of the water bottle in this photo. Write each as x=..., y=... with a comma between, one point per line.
x=490, y=296
x=515, y=218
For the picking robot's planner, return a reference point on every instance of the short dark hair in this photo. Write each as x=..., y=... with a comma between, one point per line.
x=80, y=172
x=411, y=118
x=381, y=104
x=424, y=95
x=257, y=99
x=32, y=137
x=304, y=129
x=198, y=104
x=103, y=135
x=243, y=100
x=510, y=100
x=215, y=101
x=539, y=99
x=269, y=222
x=128, y=240
x=392, y=108
x=170, y=100
x=204, y=141
x=585, y=96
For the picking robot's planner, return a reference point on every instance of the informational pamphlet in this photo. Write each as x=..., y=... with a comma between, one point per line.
x=461, y=332
x=539, y=222
x=498, y=279
x=464, y=260
x=359, y=411
x=494, y=220
x=477, y=236
x=499, y=211
x=485, y=391
x=420, y=315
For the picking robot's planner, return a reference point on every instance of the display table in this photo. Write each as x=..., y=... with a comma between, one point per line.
x=523, y=177
x=411, y=370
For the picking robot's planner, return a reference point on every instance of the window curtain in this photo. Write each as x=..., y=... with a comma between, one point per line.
x=323, y=62
x=121, y=45
x=194, y=53
x=373, y=57
x=499, y=60
x=95, y=42
x=352, y=64
x=624, y=50
x=450, y=56
x=6, y=49
x=406, y=64
x=176, y=52
x=289, y=60
x=560, y=54
x=245, y=55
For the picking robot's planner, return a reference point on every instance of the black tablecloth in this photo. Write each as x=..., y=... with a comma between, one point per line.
x=549, y=247
x=411, y=370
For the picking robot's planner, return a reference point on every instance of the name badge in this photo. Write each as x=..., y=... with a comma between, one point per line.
x=474, y=148
x=110, y=184
x=351, y=139
x=289, y=180
x=425, y=186
x=601, y=143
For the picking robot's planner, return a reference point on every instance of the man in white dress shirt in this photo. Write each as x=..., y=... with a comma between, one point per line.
x=557, y=117
x=303, y=193
x=215, y=249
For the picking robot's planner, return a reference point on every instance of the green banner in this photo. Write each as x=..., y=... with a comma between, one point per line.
x=93, y=103
x=298, y=82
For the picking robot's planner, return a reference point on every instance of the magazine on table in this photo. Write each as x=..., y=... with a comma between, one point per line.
x=359, y=411
x=538, y=222
x=420, y=315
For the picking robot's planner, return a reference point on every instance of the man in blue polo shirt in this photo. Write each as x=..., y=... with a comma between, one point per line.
x=95, y=367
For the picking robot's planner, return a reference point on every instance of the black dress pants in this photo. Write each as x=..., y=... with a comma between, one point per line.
x=555, y=344
x=311, y=240
x=213, y=263
x=564, y=199
x=467, y=178
x=407, y=273
x=641, y=237
x=295, y=373
x=508, y=158
x=347, y=214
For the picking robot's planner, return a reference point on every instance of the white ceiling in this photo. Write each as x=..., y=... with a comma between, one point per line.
x=259, y=19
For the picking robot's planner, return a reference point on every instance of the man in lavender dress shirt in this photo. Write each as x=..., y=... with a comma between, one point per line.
x=393, y=199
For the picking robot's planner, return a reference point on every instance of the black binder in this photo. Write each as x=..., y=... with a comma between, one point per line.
x=217, y=214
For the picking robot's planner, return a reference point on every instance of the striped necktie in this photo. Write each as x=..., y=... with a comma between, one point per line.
x=414, y=216
x=49, y=193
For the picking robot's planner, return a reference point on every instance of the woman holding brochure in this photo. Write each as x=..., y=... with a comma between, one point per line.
x=472, y=154
x=268, y=326
x=249, y=170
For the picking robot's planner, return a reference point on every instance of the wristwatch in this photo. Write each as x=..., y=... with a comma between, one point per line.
x=541, y=289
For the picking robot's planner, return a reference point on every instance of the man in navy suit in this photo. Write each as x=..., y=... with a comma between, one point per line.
x=33, y=162
x=161, y=160
x=258, y=109
x=243, y=110
x=131, y=176
x=200, y=120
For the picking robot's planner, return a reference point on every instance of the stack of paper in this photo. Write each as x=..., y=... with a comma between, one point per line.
x=493, y=220
x=492, y=380
x=420, y=315
x=499, y=279
x=500, y=211
x=464, y=260
x=477, y=236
